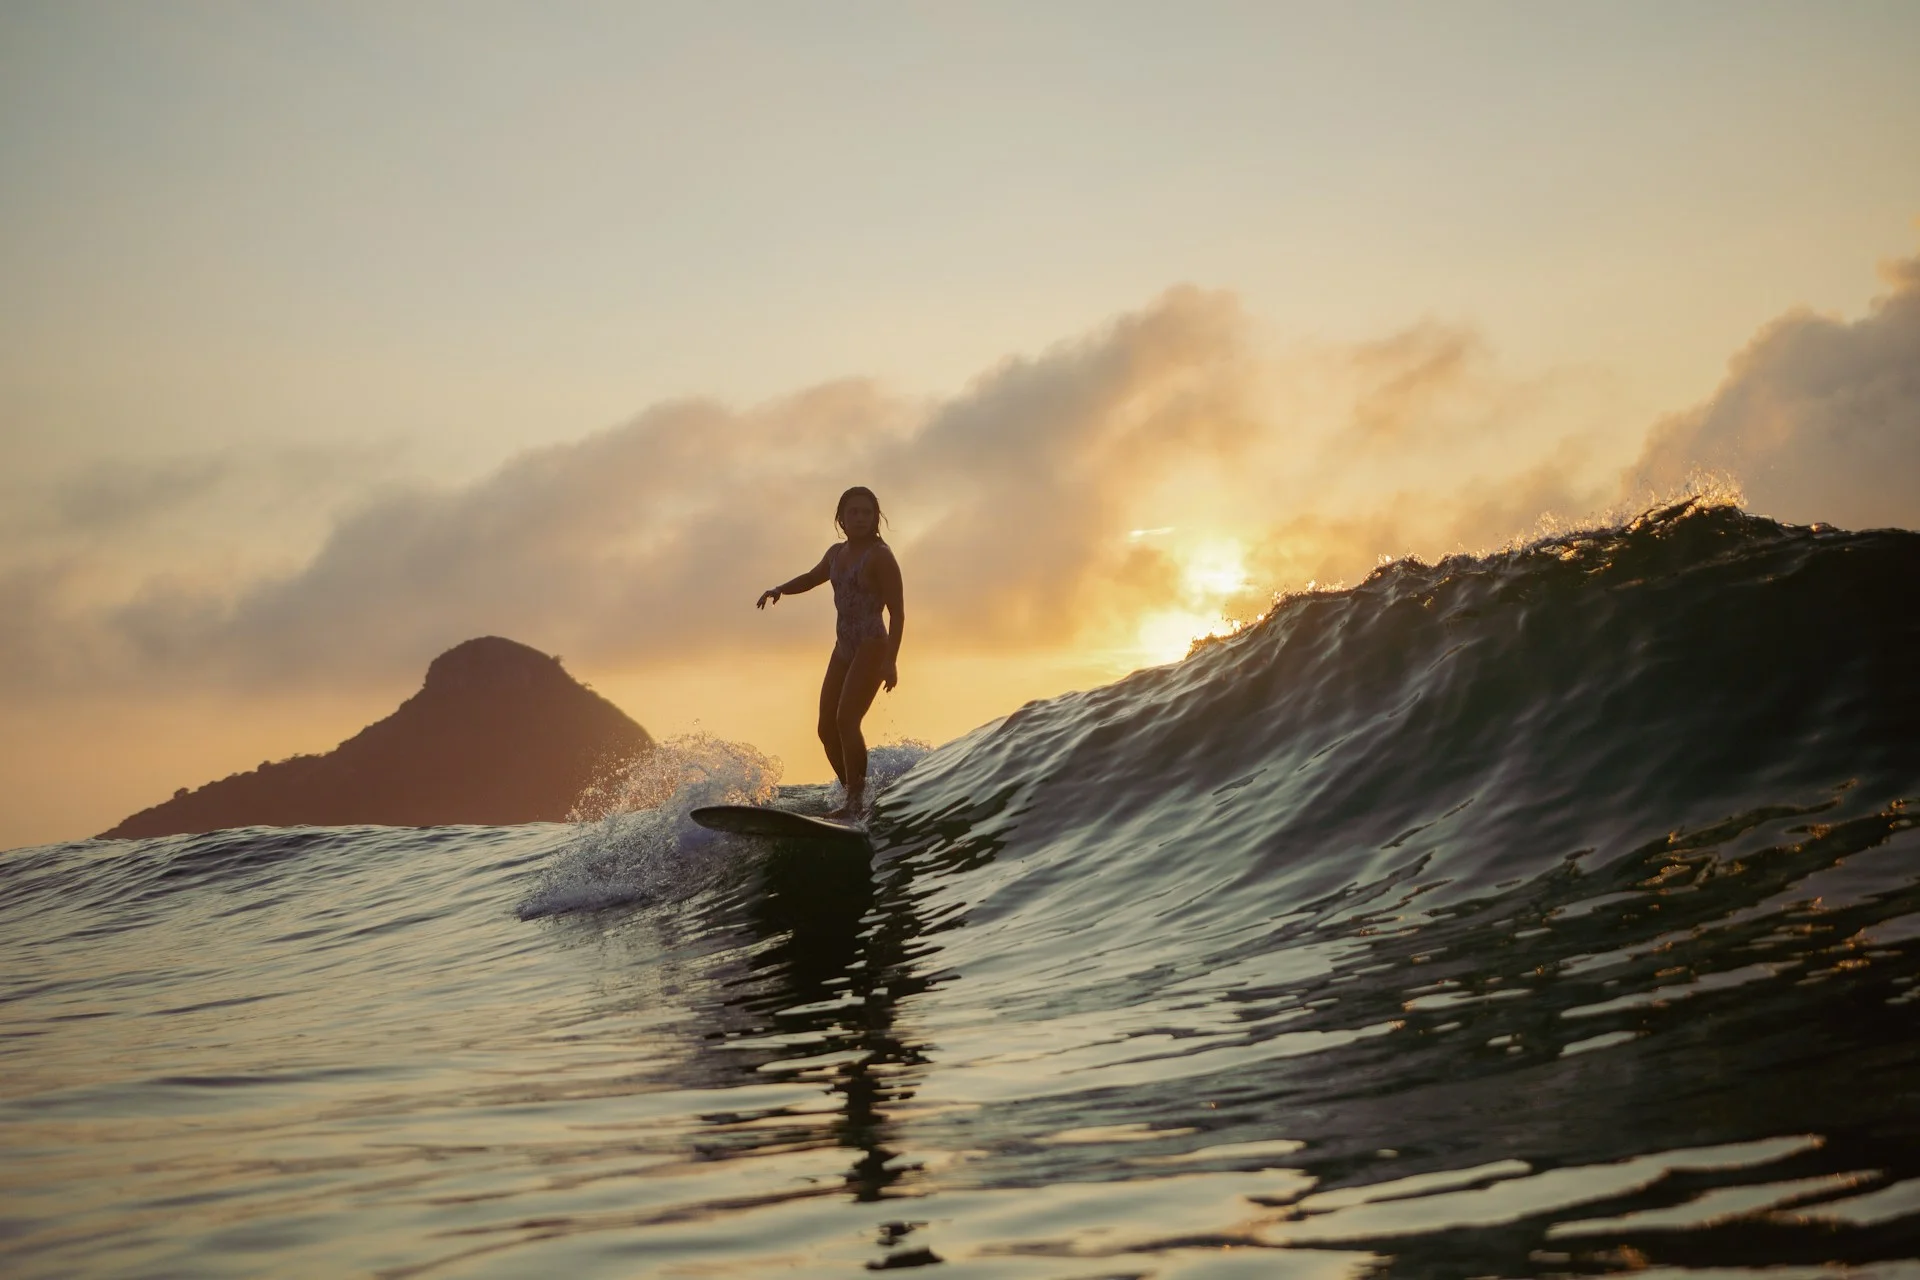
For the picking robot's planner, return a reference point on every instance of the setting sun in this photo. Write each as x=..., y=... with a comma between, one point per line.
x=1216, y=570
x=1211, y=573
x=1167, y=635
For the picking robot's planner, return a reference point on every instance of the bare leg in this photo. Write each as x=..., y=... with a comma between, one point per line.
x=863, y=679
x=829, y=715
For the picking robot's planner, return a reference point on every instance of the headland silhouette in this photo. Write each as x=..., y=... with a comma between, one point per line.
x=498, y=733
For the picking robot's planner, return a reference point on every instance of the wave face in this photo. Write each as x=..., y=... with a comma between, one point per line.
x=1553, y=912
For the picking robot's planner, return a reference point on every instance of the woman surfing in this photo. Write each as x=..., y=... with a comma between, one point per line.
x=866, y=579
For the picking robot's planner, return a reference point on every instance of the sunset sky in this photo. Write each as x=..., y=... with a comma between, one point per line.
x=337, y=334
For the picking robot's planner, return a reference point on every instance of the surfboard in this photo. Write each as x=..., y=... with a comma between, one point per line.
x=757, y=820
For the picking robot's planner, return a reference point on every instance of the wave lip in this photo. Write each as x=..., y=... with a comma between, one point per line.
x=1490, y=715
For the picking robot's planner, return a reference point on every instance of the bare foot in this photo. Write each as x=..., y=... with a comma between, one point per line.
x=848, y=811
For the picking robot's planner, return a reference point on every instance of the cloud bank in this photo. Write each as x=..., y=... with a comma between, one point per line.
x=649, y=541
x=1050, y=504
x=1819, y=419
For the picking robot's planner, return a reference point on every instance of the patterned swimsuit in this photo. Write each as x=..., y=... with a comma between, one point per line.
x=857, y=607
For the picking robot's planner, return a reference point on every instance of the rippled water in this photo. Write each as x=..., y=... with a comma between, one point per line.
x=1548, y=913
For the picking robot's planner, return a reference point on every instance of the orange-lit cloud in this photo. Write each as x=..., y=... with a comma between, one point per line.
x=1163, y=472
x=646, y=542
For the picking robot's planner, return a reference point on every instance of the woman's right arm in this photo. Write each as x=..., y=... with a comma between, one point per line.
x=794, y=586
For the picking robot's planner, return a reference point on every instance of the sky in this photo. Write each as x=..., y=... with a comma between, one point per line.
x=336, y=334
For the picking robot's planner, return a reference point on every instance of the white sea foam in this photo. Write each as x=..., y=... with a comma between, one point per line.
x=633, y=840
x=887, y=761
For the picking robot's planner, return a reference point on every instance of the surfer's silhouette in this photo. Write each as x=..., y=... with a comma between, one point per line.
x=866, y=651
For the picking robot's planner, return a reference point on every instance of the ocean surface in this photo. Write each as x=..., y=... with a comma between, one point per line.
x=1555, y=912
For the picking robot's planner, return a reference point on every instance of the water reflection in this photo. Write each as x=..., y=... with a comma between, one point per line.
x=831, y=954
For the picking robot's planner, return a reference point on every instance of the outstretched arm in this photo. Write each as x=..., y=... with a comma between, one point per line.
x=794, y=586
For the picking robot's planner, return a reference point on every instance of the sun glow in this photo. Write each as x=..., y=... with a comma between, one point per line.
x=1216, y=570
x=1211, y=573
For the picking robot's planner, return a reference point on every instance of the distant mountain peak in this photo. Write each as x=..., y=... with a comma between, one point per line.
x=491, y=662
x=498, y=733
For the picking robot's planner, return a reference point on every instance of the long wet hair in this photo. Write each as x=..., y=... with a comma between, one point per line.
x=858, y=491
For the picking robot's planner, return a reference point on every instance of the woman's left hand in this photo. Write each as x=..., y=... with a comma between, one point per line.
x=892, y=677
